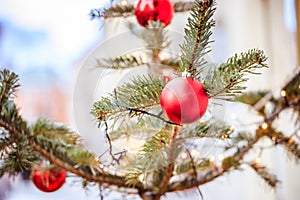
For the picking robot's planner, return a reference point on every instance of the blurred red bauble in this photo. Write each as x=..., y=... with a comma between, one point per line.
x=48, y=180
x=154, y=10
x=183, y=100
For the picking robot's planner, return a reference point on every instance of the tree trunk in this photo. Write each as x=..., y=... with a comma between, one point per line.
x=150, y=196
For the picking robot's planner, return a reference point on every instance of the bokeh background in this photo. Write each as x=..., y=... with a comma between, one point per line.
x=49, y=44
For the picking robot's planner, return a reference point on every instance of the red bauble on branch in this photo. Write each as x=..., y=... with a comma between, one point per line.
x=48, y=180
x=154, y=10
x=183, y=100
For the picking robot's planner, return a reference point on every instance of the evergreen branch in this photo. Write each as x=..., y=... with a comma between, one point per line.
x=173, y=63
x=155, y=38
x=110, y=144
x=55, y=133
x=287, y=142
x=211, y=128
x=157, y=142
x=151, y=156
x=251, y=98
x=192, y=182
x=188, y=167
x=121, y=62
x=19, y=156
x=5, y=146
x=233, y=162
x=141, y=93
x=99, y=177
x=270, y=179
x=168, y=172
x=144, y=128
x=238, y=138
x=292, y=90
x=183, y=6
x=128, y=10
x=194, y=170
x=197, y=36
x=227, y=78
x=8, y=85
x=257, y=100
x=112, y=12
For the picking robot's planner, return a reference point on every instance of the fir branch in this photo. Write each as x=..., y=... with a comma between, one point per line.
x=110, y=145
x=194, y=170
x=292, y=90
x=241, y=136
x=168, y=171
x=270, y=179
x=151, y=156
x=225, y=81
x=251, y=98
x=212, y=128
x=128, y=10
x=288, y=143
x=8, y=85
x=187, y=167
x=141, y=93
x=5, y=146
x=101, y=178
x=121, y=62
x=112, y=12
x=172, y=63
x=155, y=38
x=19, y=156
x=197, y=36
x=157, y=142
x=145, y=127
x=55, y=133
x=97, y=176
x=183, y=6
x=192, y=182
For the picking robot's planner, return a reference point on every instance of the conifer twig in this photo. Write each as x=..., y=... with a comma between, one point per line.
x=135, y=110
x=170, y=168
x=101, y=177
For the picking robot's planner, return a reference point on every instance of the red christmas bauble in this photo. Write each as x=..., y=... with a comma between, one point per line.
x=154, y=10
x=48, y=180
x=183, y=100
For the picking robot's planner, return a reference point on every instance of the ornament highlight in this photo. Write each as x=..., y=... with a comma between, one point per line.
x=48, y=180
x=154, y=10
x=183, y=100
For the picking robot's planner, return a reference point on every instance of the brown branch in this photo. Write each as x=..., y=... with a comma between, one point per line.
x=227, y=86
x=128, y=10
x=216, y=172
x=233, y=81
x=194, y=170
x=102, y=114
x=199, y=32
x=170, y=167
x=183, y=6
x=101, y=178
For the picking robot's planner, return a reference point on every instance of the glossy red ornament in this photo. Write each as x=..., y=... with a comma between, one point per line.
x=48, y=180
x=154, y=10
x=183, y=100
